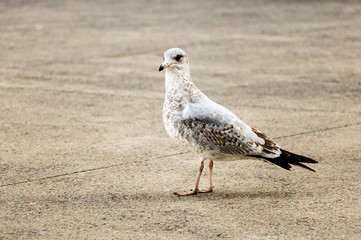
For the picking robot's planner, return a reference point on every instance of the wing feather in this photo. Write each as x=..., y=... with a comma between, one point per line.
x=214, y=124
x=228, y=139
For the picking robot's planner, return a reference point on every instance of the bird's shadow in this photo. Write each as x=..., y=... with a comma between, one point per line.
x=233, y=194
x=213, y=196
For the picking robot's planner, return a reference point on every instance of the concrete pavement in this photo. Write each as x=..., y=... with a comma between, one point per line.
x=83, y=152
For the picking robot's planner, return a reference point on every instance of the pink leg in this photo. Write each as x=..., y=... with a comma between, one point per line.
x=195, y=191
x=210, y=189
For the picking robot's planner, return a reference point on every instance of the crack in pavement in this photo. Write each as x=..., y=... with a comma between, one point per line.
x=319, y=130
x=169, y=155
x=81, y=171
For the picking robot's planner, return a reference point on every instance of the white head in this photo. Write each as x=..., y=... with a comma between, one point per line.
x=175, y=59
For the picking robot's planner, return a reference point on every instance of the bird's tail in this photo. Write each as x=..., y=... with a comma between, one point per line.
x=286, y=158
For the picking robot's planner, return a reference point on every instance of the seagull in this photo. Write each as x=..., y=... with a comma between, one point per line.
x=211, y=130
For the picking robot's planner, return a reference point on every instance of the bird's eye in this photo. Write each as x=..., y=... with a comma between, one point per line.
x=178, y=57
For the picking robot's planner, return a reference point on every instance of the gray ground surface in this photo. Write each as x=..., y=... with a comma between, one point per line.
x=83, y=151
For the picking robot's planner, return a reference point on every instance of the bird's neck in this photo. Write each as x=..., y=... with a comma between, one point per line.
x=179, y=86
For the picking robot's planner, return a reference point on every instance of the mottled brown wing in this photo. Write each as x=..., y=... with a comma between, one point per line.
x=223, y=137
x=269, y=146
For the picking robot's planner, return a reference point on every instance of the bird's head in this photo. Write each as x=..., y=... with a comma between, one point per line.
x=175, y=59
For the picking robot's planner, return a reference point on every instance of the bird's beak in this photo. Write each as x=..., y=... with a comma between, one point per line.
x=164, y=65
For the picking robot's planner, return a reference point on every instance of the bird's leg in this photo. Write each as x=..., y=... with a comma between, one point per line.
x=210, y=189
x=195, y=190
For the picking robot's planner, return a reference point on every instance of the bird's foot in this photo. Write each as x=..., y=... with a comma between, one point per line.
x=194, y=192
x=205, y=190
x=186, y=193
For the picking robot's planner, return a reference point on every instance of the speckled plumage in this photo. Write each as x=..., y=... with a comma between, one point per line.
x=211, y=130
